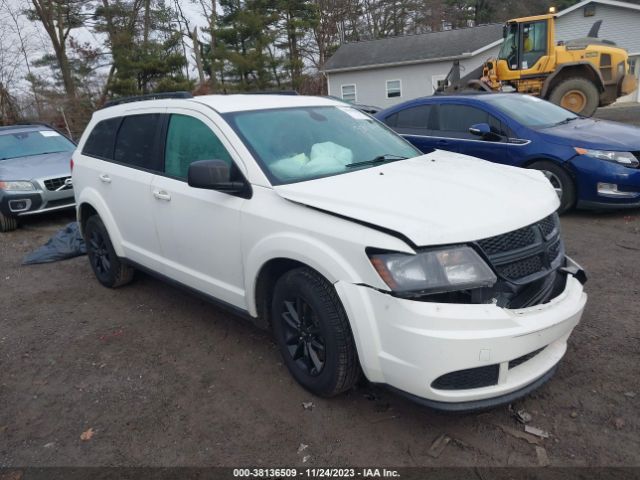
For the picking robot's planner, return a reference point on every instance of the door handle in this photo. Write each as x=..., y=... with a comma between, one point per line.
x=104, y=178
x=442, y=142
x=161, y=195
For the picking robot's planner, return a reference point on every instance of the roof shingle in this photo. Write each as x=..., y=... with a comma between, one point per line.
x=413, y=48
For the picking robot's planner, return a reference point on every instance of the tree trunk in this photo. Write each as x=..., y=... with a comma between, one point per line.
x=198, y=55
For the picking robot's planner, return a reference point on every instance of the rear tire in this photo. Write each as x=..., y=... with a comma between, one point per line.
x=561, y=182
x=7, y=224
x=313, y=333
x=108, y=268
x=577, y=94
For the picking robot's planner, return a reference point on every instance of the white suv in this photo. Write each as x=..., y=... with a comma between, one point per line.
x=440, y=275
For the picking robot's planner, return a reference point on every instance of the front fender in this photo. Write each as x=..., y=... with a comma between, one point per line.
x=293, y=246
x=91, y=197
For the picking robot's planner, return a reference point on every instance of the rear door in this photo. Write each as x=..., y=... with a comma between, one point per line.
x=454, y=121
x=199, y=229
x=127, y=157
x=417, y=124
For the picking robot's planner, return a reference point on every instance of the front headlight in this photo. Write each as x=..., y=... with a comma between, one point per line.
x=16, y=186
x=627, y=159
x=433, y=271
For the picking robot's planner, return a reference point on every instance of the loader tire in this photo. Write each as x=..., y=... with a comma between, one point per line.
x=576, y=94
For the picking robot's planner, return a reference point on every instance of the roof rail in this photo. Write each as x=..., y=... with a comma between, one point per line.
x=271, y=92
x=27, y=124
x=149, y=96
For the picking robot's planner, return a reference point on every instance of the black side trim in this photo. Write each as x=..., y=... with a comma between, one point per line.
x=388, y=231
x=476, y=405
x=219, y=303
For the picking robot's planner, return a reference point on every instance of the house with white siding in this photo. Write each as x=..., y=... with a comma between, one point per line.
x=388, y=71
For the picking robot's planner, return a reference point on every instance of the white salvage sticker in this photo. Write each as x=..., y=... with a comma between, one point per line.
x=49, y=133
x=357, y=114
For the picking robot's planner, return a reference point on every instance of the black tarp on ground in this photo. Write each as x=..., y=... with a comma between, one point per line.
x=66, y=243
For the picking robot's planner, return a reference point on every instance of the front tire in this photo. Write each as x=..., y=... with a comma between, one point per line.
x=313, y=333
x=7, y=224
x=576, y=94
x=108, y=268
x=561, y=181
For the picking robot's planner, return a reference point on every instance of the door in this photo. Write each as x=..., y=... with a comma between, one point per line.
x=199, y=230
x=127, y=159
x=416, y=124
x=454, y=121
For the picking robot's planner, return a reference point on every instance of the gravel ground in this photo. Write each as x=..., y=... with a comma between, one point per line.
x=163, y=378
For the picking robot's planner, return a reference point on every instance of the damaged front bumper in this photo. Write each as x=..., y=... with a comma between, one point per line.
x=461, y=356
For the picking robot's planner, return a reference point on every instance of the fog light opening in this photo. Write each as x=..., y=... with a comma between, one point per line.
x=17, y=206
x=611, y=190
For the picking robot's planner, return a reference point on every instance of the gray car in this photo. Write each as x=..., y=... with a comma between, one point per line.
x=35, y=174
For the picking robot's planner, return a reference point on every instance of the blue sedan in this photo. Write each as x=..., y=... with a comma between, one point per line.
x=591, y=163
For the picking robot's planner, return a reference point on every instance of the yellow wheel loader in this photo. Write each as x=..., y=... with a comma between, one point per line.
x=580, y=75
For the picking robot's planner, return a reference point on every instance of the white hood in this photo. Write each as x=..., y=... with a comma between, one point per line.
x=433, y=199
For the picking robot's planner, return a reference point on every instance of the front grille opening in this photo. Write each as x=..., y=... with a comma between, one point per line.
x=548, y=225
x=521, y=268
x=469, y=378
x=509, y=241
x=524, y=358
x=54, y=184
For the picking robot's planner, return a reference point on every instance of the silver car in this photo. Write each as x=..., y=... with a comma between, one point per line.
x=35, y=174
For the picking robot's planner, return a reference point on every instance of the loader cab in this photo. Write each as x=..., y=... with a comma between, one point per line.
x=526, y=46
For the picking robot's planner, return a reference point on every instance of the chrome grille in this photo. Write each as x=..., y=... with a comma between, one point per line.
x=57, y=184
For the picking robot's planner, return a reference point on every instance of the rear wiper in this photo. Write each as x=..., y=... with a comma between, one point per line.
x=387, y=157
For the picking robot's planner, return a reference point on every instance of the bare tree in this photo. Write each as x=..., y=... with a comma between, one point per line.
x=59, y=17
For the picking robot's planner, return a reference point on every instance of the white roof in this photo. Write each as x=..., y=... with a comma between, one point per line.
x=238, y=103
x=613, y=3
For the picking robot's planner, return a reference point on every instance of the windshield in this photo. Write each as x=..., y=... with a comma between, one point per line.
x=34, y=142
x=298, y=144
x=531, y=111
x=509, y=48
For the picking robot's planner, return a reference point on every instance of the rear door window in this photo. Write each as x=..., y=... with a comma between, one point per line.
x=102, y=139
x=189, y=140
x=414, y=120
x=137, y=142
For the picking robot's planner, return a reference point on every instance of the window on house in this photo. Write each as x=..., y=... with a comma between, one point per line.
x=349, y=93
x=394, y=88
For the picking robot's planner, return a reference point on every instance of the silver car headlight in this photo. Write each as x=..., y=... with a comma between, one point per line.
x=627, y=159
x=16, y=186
x=433, y=271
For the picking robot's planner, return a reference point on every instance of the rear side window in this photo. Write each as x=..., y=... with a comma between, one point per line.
x=102, y=139
x=137, y=140
x=189, y=140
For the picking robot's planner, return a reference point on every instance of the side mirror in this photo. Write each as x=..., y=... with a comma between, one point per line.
x=480, y=129
x=483, y=130
x=213, y=175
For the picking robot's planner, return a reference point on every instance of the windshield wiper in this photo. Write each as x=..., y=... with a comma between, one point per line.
x=387, y=157
x=566, y=120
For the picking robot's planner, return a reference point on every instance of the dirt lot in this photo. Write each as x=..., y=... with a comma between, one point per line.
x=164, y=378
